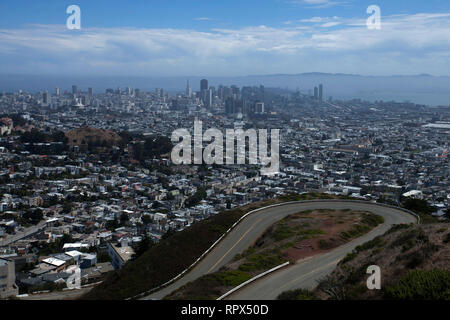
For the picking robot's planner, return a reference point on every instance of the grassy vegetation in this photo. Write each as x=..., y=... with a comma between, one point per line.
x=171, y=256
x=270, y=250
x=165, y=260
x=377, y=244
x=263, y=261
x=232, y=277
x=299, y=294
x=282, y=231
x=420, y=285
x=368, y=222
x=413, y=260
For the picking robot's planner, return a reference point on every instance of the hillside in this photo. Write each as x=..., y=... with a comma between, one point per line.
x=91, y=136
x=414, y=262
x=176, y=252
x=294, y=238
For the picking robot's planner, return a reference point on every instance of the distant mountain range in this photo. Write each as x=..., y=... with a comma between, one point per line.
x=421, y=89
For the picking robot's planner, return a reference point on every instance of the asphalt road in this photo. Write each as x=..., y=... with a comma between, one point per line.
x=23, y=234
x=303, y=274
x=59, y=295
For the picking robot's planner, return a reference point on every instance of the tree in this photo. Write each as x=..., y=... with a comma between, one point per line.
x=112, y=224
x=196, y=198
x=67, y=207
x=228, y=203
x=418, y=205
x=146, y=219
x=145, y=244
x=124, y=218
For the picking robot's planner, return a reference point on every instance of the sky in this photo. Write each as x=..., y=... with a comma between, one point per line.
x=224, y=38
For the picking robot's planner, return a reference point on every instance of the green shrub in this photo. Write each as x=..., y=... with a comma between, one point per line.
x=299, y=294
x=282, y=231
x=261, y=261
x=355, y=232
x=349, y=257
x=310, y=232
x=372, y=220
x=232, y=277
x=410, y=237
x=421, y=285
x=397, y=227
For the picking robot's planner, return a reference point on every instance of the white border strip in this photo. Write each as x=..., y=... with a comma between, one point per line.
x=252, y=279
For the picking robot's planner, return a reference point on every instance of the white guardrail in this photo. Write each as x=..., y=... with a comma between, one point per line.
x=148, y=292
x=253, y=279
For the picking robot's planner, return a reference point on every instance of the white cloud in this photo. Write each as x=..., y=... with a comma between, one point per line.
x=406, y=44
x=319, y=4
x=203, y=19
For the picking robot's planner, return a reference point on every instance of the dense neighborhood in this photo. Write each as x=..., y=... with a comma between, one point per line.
x=87, y=181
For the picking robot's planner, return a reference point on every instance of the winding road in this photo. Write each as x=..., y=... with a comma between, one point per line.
x=305, y=273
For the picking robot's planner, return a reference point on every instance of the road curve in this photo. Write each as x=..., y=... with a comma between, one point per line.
x=303, y=274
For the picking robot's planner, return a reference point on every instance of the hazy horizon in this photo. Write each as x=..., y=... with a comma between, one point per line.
x=420, y=89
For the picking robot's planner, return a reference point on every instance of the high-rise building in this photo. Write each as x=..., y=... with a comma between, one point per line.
x=320, y=92
x=45, y=98
x=259, y=107
x=159, y=92
x=203, y=85
x=74, y=89
x=236, y=92
x=204, y=90
x=316, y=93
x=230, y=106
x=209, y=98
x=91, y=91
x=188, y=90
x=58, y=91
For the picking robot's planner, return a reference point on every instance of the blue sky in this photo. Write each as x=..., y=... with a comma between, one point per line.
x=224, y=38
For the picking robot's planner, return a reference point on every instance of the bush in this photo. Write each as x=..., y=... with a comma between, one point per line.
x=265, y=261
x=325, y=245
x=447, y=238
x=409, y=238
x=299, y=294
x=372, y=220
x=282, y=231
x=232, y=277
x=417, y=257
x=421, y=285
x=355, y=232
x=350, y=256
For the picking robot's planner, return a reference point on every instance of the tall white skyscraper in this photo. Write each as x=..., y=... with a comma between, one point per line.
x=188, y=90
